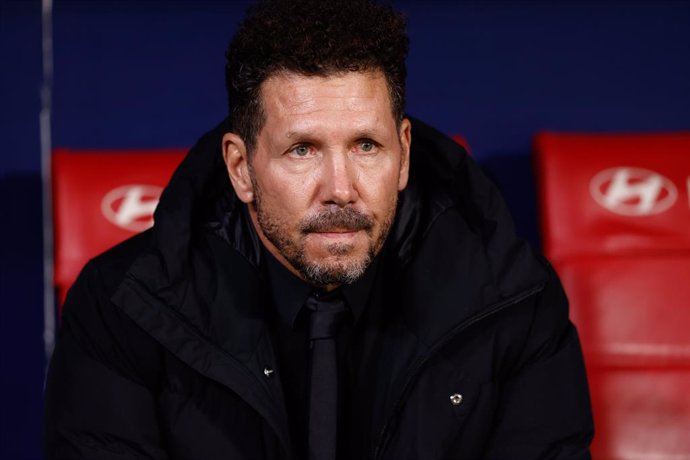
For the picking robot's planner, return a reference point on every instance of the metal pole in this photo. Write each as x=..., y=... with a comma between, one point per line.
x=49, y=320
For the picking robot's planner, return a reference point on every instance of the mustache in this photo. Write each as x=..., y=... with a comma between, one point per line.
x=331, y=219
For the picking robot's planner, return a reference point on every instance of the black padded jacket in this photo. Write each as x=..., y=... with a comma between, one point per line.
x=163, y=342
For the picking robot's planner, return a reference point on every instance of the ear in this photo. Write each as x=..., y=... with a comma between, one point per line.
x=237, y=164
x=405, y=142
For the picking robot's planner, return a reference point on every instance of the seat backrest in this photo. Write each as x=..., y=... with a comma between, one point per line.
x=616, y=195
x=101, y=198
x=615, y=219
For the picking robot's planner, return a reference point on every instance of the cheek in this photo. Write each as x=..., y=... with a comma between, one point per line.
x=380, y=190
x=285, y=195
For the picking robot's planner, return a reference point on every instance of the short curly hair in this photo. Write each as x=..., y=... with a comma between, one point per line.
x=312, y=38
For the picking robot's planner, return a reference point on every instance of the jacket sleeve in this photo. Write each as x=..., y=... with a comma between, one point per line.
x=545, y=410
x=99, y=398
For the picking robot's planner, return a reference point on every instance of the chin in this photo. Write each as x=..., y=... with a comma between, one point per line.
x=335, y=269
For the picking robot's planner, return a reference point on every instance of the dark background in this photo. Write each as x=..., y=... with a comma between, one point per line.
x=150, y=74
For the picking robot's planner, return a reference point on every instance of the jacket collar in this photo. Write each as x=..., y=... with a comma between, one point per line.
x=455, y=243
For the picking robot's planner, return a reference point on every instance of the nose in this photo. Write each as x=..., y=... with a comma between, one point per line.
x=338, y=180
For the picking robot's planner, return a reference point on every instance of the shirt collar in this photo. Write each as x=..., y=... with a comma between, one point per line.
x=289, y=293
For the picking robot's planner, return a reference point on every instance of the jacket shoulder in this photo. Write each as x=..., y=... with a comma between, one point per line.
x=104, y=373
x=114, y=262
x=101, y=329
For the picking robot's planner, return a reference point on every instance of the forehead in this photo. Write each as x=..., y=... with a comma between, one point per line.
x=290, y=97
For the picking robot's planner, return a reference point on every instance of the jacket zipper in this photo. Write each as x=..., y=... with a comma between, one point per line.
x=385, y=435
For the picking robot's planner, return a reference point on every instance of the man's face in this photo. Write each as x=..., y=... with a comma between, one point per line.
x=326, y=172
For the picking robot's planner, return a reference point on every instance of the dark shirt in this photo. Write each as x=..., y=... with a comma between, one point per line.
x=289, y=327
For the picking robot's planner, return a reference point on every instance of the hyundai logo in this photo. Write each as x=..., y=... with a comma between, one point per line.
x=131, y=206
x=632, y=191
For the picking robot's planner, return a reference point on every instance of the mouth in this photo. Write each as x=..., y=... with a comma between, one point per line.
x=336, y=232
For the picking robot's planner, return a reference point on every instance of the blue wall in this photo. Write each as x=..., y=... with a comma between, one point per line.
x=21, y=277
x=144, y=74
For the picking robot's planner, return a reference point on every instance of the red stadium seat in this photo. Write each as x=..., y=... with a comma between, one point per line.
x=101, y=198
x=616, y=225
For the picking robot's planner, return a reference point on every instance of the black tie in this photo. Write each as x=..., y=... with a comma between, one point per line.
x=327, y=316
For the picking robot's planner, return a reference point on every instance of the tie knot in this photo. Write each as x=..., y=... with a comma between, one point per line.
x=327, y=316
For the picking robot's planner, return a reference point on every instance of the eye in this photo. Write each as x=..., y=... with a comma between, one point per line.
x=367, y=146
x=301, y=150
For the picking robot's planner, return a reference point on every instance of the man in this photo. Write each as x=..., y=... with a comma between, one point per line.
x=316, y=288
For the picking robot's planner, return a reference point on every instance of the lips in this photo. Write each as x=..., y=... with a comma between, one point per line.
x=339, y=230
x=337, y=234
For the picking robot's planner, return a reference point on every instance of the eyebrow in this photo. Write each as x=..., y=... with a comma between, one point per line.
x=306, y=135
x=299, y=136
x=367, y=134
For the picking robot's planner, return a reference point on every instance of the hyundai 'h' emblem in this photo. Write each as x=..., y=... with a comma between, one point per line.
x=632, y=191
x=131, y=206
